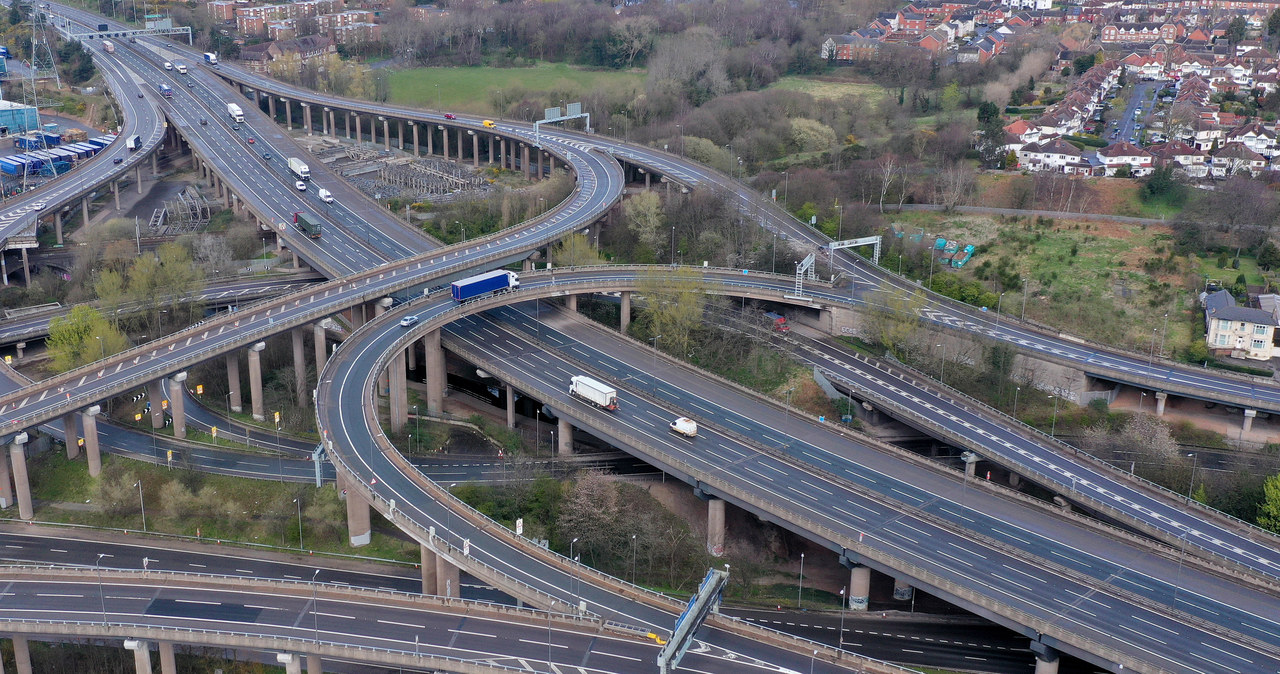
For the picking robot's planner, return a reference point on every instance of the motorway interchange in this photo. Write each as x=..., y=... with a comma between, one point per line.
x=1242, y=628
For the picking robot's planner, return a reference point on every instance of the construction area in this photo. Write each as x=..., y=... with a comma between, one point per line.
x=383, y=174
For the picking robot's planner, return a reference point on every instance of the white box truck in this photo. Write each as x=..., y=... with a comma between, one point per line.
x=182, y=68
x=299, y=168
x=593, y=391
x=236, y=114
x=686, y=427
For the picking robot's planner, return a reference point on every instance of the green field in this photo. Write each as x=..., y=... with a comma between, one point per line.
x=474, y=90
x=830, y=90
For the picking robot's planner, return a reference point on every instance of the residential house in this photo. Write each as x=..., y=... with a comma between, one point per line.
x=282, y=29
x=1239, y=332
x=1054, y=155
x=1235, y=158
x=1025, y=131
x=257, y=57
x=1122, y=154
x=1254, y=136
x=1181, y=156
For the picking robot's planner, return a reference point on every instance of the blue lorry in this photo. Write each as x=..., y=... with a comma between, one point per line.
x=499, y=280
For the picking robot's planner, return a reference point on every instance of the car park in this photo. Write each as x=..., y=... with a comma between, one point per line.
x=300, y=186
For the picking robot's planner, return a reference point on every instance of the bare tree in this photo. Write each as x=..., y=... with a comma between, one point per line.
x=954, y=183
x=889, y=169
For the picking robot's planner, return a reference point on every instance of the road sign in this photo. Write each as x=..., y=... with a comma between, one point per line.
x=277, y=417
x=137, y=417
x=519, y=526
x=214, y=430
x=199, y=389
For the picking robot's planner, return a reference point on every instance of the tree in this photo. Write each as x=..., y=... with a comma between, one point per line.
x=631, y=37
x=1236, y=30
x=991, y=147
x=154, y=281
x=951, y=99
x=1273, y=23
x=894, y=321
x=1082, y=63
x=954, y=183
x=81, y=337
x=674, y=303
x=987, y=111
x=1269, y=256
x=1163, y=184
x=647, y=222
x=590, y=513
x=808, y=135
x=576, y=250
x=1269, y=508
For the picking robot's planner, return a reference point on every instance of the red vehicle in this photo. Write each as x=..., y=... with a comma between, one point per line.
x=252, y=140
x=450, y=115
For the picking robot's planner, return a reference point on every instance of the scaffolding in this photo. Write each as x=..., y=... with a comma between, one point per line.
x=186, y=213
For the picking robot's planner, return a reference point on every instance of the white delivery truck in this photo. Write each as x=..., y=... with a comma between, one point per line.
x=686, y=427
x=236, y=114
x=182, y=68
x=299, y=168
x=593, y=391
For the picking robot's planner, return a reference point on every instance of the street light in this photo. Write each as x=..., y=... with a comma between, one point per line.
x=1024, y=299
x=142, y=504
x=315, y=614
x=787, y=416
x=633, y=559
x=415, y=428
x=1016, y=391
x=1054, y=425
x=673, y=245
x=1152, y=356
x=101, y=593
x=653, y=343
x=999, y=303
x=800, y=591
x=299, y=502
x=101, y=349
x=843, y=604
x=1195, y=458
x=786, y=183
x=1164, y=331
x=571, y=544
x=942, y=375
x=681, y=127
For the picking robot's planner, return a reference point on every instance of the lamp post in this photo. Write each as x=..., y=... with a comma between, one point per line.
x=999, y=303
x=1195, y=458
x=843, y=604
x=840, y=226
x=102, y=350
x=142, y=504
x=315, y=615
x=787, y=416
x=1016, y=391
x=633, y=559
x=942, y=373
x=786, y=183
x=1053, y=427
x=681, y=127
x=1024, y=298
x=800, y=591
x=438, y=96
x=299, y=502
x=415, y=428
x=1163, y=332
x=673, y=245
x=1151, y=357
x=653, y=342
x=102, y=595
x=571, y=544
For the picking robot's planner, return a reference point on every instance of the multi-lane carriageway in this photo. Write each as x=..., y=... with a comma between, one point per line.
x=188, y=344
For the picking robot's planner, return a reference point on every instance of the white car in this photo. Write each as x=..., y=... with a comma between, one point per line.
x=301, y=186
x=168, y=65
x=408, y=321
x=326, y=196
x=37, y=206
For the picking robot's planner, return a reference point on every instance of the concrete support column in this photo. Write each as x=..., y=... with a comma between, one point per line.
x=137, y=178
x=475, y=150
x=300, y=365
x=970, y=463
x=551, y=164
x=511, y=406
x=433, y=359
x=177, y=404
x=89, y=421
x=1015, y=480
x=21, y=484
x=233, y=382
x=384, y=382
x=398, y=396
x=444, y=146
x=386, y=133
x=859, y=587
x=155, y=163
x=20, y=347
x=6, y=483
x=447, y=582
x=626, y=312
x=306, y=117
x=71, y=435
x=400, y=133
x=564, y=437
x=167, y=663
x=326, y=115
x=902, y=590
x=292, y=662
x=288, y=114
x=428, y=570
x=21, y=654
x=322, y=354
x=57, y=217
x=141, y=655
x=524, y=159
x=115, y=194
x=359, y=530
x=347, y=126
x=26, y=269
x=540, y=153
x=271, y=107
x=1046, y=658
x=255, y=381
x=492, y=149
x=314, y=665
x=715, y=527
x=459, y=139
x=417, y=150
x=1161, y=397
x=411, y=355
x=1248, y=414
x=84, y=212
x=571, y=302
x=155, y=392
x=647, y=177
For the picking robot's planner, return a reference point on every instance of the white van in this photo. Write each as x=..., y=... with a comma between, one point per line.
x=168, y=66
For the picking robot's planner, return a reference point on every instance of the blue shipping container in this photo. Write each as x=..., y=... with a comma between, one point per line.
x=11, y=167
x=483, y=284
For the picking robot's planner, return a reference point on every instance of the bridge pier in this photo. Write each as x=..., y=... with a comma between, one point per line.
x=902, y=589
x=444, y=142
x=57, y=219
x=417, y=151
x=493, y=150
x=1248, y=414
x=288, y=114
x=306, y=116
x=511, y=406
x=271, y=107
x=178, y=404
x=447, y=581
x=564, y=437
x=71, y=435
x=384, y=380
x=167, y=663
x=21, y=483
x=6, y=483
x=328, y=126
x=155, y=392
x=292, y=662
x=524, y=159
x=233, y=382
x=428, y=567
x=459, y=143
x=436, y=379
x=859, y=587
x=314, y=665
x=475, y=149
x=399, y=394
x=626, y=312
x=400, y=133
x=255, y=381
x=571, y=302
x=359, y=531
x=300, y=365
x=137, y=178
x=715, y=526
x=115, y=194
x=318, y=334
x=1046, y=658
x=347, y=126
x=21, y=654
x=540, y=153
x=141, y=655
x=89, y=421
x=386, y=133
